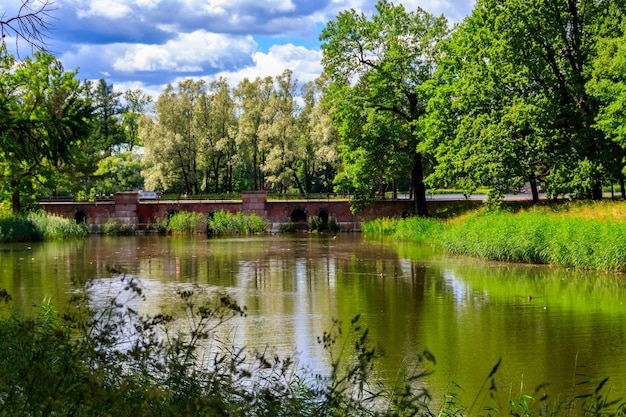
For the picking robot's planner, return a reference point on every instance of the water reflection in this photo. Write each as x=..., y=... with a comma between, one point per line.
x=468, y=312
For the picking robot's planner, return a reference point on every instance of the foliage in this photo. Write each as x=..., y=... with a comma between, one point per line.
x=37, y=226
x=185, y=222
x=43, y=121
x=378, y=67
x=118, y=172
x=224, y=223
x=114, y=228
x=56, y=227
x=511, y=104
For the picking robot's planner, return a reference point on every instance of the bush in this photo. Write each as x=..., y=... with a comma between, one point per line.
x=114, y=228
x=224, y=222
x=185, y=222
x=37, y=226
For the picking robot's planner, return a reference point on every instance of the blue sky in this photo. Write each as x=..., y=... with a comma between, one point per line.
x=146, y=44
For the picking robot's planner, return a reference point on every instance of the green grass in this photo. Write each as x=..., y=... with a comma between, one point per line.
x=579, y=235
x=226, y=223
x=37, y=226
x=184, y=223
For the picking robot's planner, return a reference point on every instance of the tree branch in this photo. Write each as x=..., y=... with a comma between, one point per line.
x=31, y=25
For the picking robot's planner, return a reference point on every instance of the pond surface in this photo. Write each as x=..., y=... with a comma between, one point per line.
x=545, y=323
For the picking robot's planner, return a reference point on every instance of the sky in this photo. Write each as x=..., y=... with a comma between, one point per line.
x=146, y=44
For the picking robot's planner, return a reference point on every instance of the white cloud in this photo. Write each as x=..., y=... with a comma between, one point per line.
x=187, y=53
x=305, y=64
x=110, y=9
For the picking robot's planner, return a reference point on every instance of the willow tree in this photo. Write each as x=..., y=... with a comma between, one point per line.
x=170, y=140
x=252, y=97
x=318, y=138
x=377, y=68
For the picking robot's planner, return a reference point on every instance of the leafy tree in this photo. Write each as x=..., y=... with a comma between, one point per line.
x=252, y=98
x=44, y=121
x=121, y=171
x=170, y=141
x=107, y=131
x=318, y=137
x=377, y=69
x=279, y=135
x=216, y=125
x=514, y=101
x=136, y=104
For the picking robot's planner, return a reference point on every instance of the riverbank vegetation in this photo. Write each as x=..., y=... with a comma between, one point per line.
x=569, y=234
x=37, y=226
x=114, y=360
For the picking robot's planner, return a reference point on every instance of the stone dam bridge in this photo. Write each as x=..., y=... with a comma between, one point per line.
x=130, y=208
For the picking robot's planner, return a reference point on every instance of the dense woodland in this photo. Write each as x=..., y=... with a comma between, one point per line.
x=520, y=92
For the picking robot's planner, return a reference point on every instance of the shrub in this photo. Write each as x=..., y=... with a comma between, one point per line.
x=185, y=222
x=224, y=222
x=114, y=228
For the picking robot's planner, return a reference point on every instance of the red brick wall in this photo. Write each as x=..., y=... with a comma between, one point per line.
x=129, y=209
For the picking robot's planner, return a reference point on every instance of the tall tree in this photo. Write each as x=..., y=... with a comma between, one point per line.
x=170, y=140
x=136, y=104
x=279, y=135
x=318, y=138
x=517, y=87
x=216, y=127
x=44, y=121
x=252, y=98
x=377, y=67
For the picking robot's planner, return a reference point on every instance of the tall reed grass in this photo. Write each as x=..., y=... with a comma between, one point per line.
x=37, y=226
x=226, y=223
x=184, y=222
x=580, y=235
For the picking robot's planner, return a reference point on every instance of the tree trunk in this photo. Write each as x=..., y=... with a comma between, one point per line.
x=15, y=197
x=534, y=190
x=421, y=207
x=621, y=184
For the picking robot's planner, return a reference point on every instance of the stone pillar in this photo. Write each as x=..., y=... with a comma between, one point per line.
x=253, y=202
x=126, y=208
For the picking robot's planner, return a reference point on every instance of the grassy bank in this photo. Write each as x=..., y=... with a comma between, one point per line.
x=118, y=362
x=570, y=234
x=37, y=226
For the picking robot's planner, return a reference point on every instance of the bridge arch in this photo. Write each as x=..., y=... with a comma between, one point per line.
x=80, y=216
x=299, y=215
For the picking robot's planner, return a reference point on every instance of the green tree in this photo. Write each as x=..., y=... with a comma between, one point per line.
x=107, y=130
x=216, y=124
x=318, y=137
x=378, y=67
x=44, y=122
x=119, y=172
x=279, y=135
x=136, y=104
x=513, y=98
x=252, y=98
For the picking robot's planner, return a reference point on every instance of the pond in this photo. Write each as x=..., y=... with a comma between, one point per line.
x=545, y=323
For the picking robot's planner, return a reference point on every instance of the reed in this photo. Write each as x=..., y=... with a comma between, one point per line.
x=568, y=234
x=37, y=226
x=185, y=223
x=226, y=223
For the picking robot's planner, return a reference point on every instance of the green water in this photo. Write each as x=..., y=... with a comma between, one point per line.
x=469, y=313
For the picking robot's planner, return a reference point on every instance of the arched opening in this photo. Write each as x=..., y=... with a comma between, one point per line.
x=80, y=216
x=322, y=217
x=298, y=215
